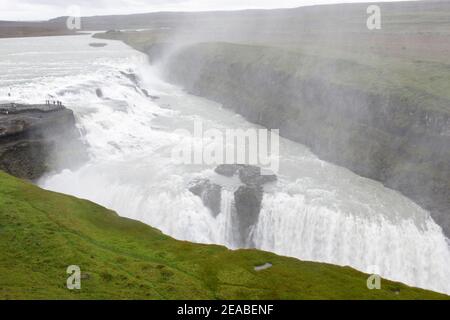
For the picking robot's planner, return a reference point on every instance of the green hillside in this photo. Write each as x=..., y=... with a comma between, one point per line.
x=41, y=233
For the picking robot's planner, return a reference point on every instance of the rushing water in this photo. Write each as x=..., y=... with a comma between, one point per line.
x=316, y=211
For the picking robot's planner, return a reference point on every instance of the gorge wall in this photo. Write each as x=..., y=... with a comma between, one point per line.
x=398, y=136
x=35, y=139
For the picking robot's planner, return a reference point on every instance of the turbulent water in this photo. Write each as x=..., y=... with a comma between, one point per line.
x=316, y=211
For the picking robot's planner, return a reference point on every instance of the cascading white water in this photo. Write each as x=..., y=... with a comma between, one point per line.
x=316, y=211
x=227, y=229
x=400, y=250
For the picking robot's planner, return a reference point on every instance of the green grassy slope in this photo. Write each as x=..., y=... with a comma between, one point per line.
x=41, y=233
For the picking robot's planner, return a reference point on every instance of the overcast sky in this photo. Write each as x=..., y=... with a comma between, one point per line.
x=46, y=9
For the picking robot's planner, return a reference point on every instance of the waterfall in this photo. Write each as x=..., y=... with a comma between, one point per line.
x=331, y=215
x=226, y=221
x=403, y=251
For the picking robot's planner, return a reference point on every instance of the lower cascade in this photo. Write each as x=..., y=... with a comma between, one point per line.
x=400, y=251
x=288, y=225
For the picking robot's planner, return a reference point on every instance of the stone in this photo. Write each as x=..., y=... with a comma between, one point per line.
x=227, y=170
x=99, y=93
x=248, y=206
x=210, y=194
x=248, y=174
x=247, y=198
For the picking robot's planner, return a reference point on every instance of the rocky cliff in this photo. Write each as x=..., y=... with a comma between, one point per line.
x=35, y=139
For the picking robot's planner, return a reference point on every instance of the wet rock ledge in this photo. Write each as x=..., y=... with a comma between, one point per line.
x=247, y=197
x=38, y=138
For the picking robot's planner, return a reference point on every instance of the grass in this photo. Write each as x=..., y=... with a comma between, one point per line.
x=42, y=233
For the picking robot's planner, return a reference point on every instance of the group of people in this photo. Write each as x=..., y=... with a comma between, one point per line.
x=57, y=103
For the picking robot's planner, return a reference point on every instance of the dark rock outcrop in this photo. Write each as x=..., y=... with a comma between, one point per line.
x=248, y=174
x=148, y=95
x=227, y=170
x=210, y=194
x=247, y=198
x=251, y=175
x=131, y=76
x=35, y=139
x=97, y=44
x=99, y=92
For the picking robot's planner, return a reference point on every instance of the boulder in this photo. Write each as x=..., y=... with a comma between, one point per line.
x=247, y=198
x=227, y=170
x=210, y=194
x=99, y=93
x=248, y=174
x=248, y=205
x=130, y=75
